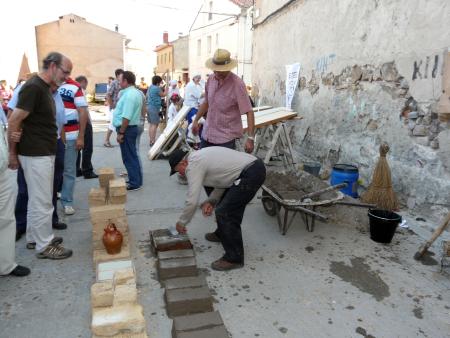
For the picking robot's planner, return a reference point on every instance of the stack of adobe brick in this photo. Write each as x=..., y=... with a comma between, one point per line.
x=187, y=296
x=115, y=310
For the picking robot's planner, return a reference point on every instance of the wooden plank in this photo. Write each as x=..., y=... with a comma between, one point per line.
x=260, y=108
x=167, y=134
x=269, y=119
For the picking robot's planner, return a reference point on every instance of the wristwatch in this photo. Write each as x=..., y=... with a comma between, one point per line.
x=251, y=138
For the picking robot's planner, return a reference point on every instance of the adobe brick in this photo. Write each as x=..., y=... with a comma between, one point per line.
x=215, y=332
x=181, y=302
x=172, y=254
x=185, y=282
x=178, y=267
x=118, y=319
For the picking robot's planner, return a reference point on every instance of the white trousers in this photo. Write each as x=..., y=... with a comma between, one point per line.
x=8, y=192
x=39, y=171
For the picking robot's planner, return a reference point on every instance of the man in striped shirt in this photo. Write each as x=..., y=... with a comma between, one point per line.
x=75, y=105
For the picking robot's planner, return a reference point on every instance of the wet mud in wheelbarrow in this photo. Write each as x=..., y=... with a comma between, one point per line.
x=286, y=195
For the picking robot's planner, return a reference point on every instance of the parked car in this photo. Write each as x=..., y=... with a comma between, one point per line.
x=100, y=92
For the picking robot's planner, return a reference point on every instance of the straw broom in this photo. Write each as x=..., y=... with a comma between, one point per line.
x=380, y=190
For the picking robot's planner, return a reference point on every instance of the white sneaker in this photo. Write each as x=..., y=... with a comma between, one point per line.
x=69, y=210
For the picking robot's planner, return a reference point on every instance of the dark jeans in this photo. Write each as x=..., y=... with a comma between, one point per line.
x=230, y=210
x=205, y=144
x=22, y=196
x=130, y=157
x=86, y=154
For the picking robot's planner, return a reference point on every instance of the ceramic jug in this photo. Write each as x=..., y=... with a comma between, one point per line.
x=112, y=239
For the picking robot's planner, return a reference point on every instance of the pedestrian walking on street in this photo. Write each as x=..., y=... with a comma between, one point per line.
x=112, y=98
x=84, y=156
x=235, y=178
x=35, y=116
x=8, y=265
x=76, y=108
x=126, y=120
x=154, y=96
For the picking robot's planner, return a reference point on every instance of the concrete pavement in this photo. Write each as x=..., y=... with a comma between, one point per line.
x=334, y=282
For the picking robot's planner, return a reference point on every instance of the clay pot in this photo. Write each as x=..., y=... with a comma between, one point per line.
x=112, y=239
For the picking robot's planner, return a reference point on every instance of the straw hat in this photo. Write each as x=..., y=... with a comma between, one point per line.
x=221, y=61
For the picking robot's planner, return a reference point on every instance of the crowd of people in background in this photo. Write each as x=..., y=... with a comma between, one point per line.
x=50, y=142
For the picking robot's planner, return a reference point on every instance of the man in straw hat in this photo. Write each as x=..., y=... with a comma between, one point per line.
x=226, y=99
x=235, y=177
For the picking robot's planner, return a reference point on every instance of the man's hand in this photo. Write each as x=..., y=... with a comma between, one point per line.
x=195, y=128
x=15, y=136
x=249, y=146
x=181, y=229
x=80, y=143
x=207, y=209
x=119, y=138
x=13, y=162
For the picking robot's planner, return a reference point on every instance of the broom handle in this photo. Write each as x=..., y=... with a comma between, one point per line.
x=438, y=231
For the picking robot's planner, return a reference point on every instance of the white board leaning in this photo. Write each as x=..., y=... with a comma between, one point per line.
x=166, y=135
x=292, y=74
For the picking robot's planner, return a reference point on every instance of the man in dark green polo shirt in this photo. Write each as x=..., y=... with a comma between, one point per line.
x=35, y=116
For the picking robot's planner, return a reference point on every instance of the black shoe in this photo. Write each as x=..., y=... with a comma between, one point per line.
x=79, y=173
x=59, y=226
x=90, y=174
x=212, y=237
x=130, y=188
x=19, y=235
x=20, y=271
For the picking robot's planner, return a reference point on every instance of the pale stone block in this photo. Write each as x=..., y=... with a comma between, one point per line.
x=124, y=276
x=101, y=255
x=111, y=321
x=104, y=176
x=117, y=199
x=97, y=197
x=107, y=212
x=102, y=294
x=117, y=187
x=124, y=294
x=106, y=270
x=125, y=335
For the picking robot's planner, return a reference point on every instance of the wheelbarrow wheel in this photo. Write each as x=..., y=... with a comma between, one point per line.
x=269, y=204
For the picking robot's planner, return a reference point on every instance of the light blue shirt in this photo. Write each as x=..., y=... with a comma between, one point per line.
x=3, y=118
x=129, y=107
x=60, y=112
x=15, y=97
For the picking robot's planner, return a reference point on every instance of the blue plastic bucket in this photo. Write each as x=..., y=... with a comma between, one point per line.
x=346, y=173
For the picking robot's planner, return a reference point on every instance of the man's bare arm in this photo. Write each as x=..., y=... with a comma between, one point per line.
x=201, y=111
x=83, y=118
x=15, y=126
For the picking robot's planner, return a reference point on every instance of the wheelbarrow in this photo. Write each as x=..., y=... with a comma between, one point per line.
x=286, y=195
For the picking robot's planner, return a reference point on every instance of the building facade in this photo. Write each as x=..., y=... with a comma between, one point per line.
x=371, y=72
x=95, y=51
x=164, y=58
x=181, y=58
x=222, y=24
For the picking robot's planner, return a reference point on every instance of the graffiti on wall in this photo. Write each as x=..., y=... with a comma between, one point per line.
x=423, y=69
x=324, y=62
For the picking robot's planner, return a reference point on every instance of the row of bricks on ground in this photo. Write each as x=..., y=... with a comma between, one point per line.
x=187, y=296
x=115, y=311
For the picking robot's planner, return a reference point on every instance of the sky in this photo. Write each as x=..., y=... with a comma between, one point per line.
x=142, y=21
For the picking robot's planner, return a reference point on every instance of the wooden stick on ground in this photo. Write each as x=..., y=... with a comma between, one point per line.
x=419, y=254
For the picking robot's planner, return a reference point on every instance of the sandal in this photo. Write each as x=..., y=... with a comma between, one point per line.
x=108, y=145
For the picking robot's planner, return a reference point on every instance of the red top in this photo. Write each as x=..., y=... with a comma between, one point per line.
x=227, y=100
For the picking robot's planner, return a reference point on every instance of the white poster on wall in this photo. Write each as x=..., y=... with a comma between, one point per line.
x=292, y=74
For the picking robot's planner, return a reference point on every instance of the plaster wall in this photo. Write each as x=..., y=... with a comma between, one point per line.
x=95, y=51
x=365, y=66
x=230, y=30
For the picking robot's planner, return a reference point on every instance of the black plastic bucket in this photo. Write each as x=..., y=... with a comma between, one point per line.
x=383, y=224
